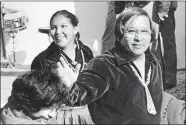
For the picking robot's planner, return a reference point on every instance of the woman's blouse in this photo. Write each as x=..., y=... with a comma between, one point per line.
x=114, y=93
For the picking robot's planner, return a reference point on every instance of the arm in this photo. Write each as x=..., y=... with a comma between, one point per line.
x=43, y=62
x=37, y=63
x=91, y=83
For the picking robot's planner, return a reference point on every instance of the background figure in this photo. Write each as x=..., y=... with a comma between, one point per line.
x=114, y=9
x=35, y=99
x=108, y=36
x=163, y=14
x=67, y=45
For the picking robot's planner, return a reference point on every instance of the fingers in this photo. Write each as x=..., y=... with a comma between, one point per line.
x=77, y=68
x=66, y=72
x=63, y=62
x=63, y=65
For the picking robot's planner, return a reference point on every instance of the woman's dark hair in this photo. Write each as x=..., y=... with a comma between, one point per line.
x=35, y=90
x=73, y=19
x=125, y=16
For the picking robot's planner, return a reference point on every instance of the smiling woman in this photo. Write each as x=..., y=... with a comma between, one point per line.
x=66, y=45
x=63, y=31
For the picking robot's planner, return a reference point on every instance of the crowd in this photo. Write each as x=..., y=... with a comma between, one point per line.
x=123, y=85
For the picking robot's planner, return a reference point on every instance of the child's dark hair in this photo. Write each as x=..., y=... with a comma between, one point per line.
x=35, y=90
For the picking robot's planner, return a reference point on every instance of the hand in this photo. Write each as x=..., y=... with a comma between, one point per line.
x=43, y=121
x=162, y=15
x=66, y=73
x=52, y=121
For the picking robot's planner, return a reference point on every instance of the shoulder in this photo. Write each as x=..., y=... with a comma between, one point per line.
x=36, y=63
x=88, y=54
x=43, y=59
x=103, y=61
x=47, y=52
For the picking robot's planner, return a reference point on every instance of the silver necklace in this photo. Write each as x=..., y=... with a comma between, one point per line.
x=68, y=62
x=150, y=104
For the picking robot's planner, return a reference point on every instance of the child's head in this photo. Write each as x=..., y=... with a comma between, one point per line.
x=38, y=94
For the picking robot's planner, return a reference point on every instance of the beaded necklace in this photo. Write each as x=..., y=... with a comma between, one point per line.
x=68, y=63
x=150, y=105
x=73, y=63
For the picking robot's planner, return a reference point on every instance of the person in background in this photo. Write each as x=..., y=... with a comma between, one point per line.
x=35, y=99
x=66, y=44
x=124, y=84
x=114, y=9
x=163, y=14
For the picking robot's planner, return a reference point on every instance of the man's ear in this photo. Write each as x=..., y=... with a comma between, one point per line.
x=76, y=29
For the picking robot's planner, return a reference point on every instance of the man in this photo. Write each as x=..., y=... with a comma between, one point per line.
x=114, y=9
x=163, y=14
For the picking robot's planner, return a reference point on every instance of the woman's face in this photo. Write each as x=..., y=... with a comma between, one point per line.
x=62, y=31
x=137, y=35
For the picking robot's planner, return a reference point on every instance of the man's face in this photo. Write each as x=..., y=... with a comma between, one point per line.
x=137, y=35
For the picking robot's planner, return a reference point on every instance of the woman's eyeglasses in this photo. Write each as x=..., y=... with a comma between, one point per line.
x=132, y=33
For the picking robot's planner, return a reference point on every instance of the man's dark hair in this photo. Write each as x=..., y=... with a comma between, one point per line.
x=35, y=90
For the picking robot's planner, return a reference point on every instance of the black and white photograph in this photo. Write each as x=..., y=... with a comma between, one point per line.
x=92, y=62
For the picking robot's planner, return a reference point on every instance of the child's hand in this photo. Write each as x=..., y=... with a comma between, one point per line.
x=67, y=74
x=52, y=121
x=43, y=121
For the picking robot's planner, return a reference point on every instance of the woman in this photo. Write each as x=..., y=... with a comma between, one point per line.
x=66, y=44
x=124, y=84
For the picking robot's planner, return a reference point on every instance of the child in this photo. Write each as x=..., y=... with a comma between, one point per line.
x=35, y=99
